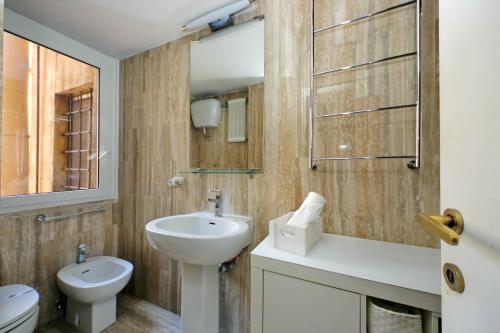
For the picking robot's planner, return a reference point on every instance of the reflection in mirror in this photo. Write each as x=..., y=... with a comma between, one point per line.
x=227, y=98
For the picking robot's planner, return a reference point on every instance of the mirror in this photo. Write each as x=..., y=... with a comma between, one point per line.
x=227, y=98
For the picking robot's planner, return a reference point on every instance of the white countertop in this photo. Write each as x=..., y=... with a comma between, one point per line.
x=405, y=266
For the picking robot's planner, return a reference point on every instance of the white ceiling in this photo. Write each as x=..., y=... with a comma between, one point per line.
x=229, y=60
x=118, y=28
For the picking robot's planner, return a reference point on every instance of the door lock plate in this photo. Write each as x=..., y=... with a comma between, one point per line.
x=454, y=277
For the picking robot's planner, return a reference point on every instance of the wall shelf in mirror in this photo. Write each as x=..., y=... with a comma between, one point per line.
x=249, y=172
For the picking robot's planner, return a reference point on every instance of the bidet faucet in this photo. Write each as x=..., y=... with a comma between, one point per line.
x=217, y=201
x=83, y=253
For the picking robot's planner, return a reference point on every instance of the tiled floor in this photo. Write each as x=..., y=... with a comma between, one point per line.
x=134, y=315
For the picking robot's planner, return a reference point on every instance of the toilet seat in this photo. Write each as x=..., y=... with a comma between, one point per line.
x=25, y=324
x=18, y=308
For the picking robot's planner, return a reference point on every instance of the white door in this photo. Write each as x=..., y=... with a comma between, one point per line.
x=470, y=158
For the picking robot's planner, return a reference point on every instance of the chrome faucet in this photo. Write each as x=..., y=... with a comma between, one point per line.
x=83, y=253
x=217, y=201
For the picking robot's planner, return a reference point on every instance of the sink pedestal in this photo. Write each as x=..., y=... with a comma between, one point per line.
x=200, y=299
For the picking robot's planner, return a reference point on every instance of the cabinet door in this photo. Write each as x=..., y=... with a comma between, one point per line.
x=296, y=306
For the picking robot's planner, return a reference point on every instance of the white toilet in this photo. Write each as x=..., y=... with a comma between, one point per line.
x=18, y=309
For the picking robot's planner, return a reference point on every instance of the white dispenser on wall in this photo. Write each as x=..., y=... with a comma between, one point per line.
x=206, y=113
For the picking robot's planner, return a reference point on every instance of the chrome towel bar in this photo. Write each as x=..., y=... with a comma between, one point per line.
x=361, y=18
x=366, y=111
x=44, y=218
x=373, y=62
x=360, y=158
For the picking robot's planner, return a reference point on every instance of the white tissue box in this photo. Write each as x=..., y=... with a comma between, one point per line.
x=294, y=239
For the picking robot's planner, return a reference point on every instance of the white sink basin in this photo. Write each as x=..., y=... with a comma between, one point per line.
x=201, y=241
x=200, y=238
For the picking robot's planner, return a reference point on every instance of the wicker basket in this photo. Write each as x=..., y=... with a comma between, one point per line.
x=387, y=317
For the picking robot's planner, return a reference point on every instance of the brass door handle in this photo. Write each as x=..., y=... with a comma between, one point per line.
x=448, y=226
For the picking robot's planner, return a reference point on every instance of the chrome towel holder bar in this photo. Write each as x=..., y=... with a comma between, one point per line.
x=44, y=218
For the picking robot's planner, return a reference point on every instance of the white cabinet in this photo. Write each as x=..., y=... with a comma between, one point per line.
x=327, y=290
x=296, y=306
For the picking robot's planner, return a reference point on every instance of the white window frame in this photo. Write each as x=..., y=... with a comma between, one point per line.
x=108, y=117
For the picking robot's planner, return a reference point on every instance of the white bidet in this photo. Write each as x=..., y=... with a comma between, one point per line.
x=91, y=288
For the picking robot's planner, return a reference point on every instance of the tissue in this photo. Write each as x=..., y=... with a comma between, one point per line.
x=309, y=211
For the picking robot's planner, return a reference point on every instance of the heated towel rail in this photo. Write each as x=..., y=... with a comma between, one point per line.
x=414, y=162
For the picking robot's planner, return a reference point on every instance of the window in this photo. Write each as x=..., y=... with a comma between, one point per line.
x=59, y=122
x=49, y=120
